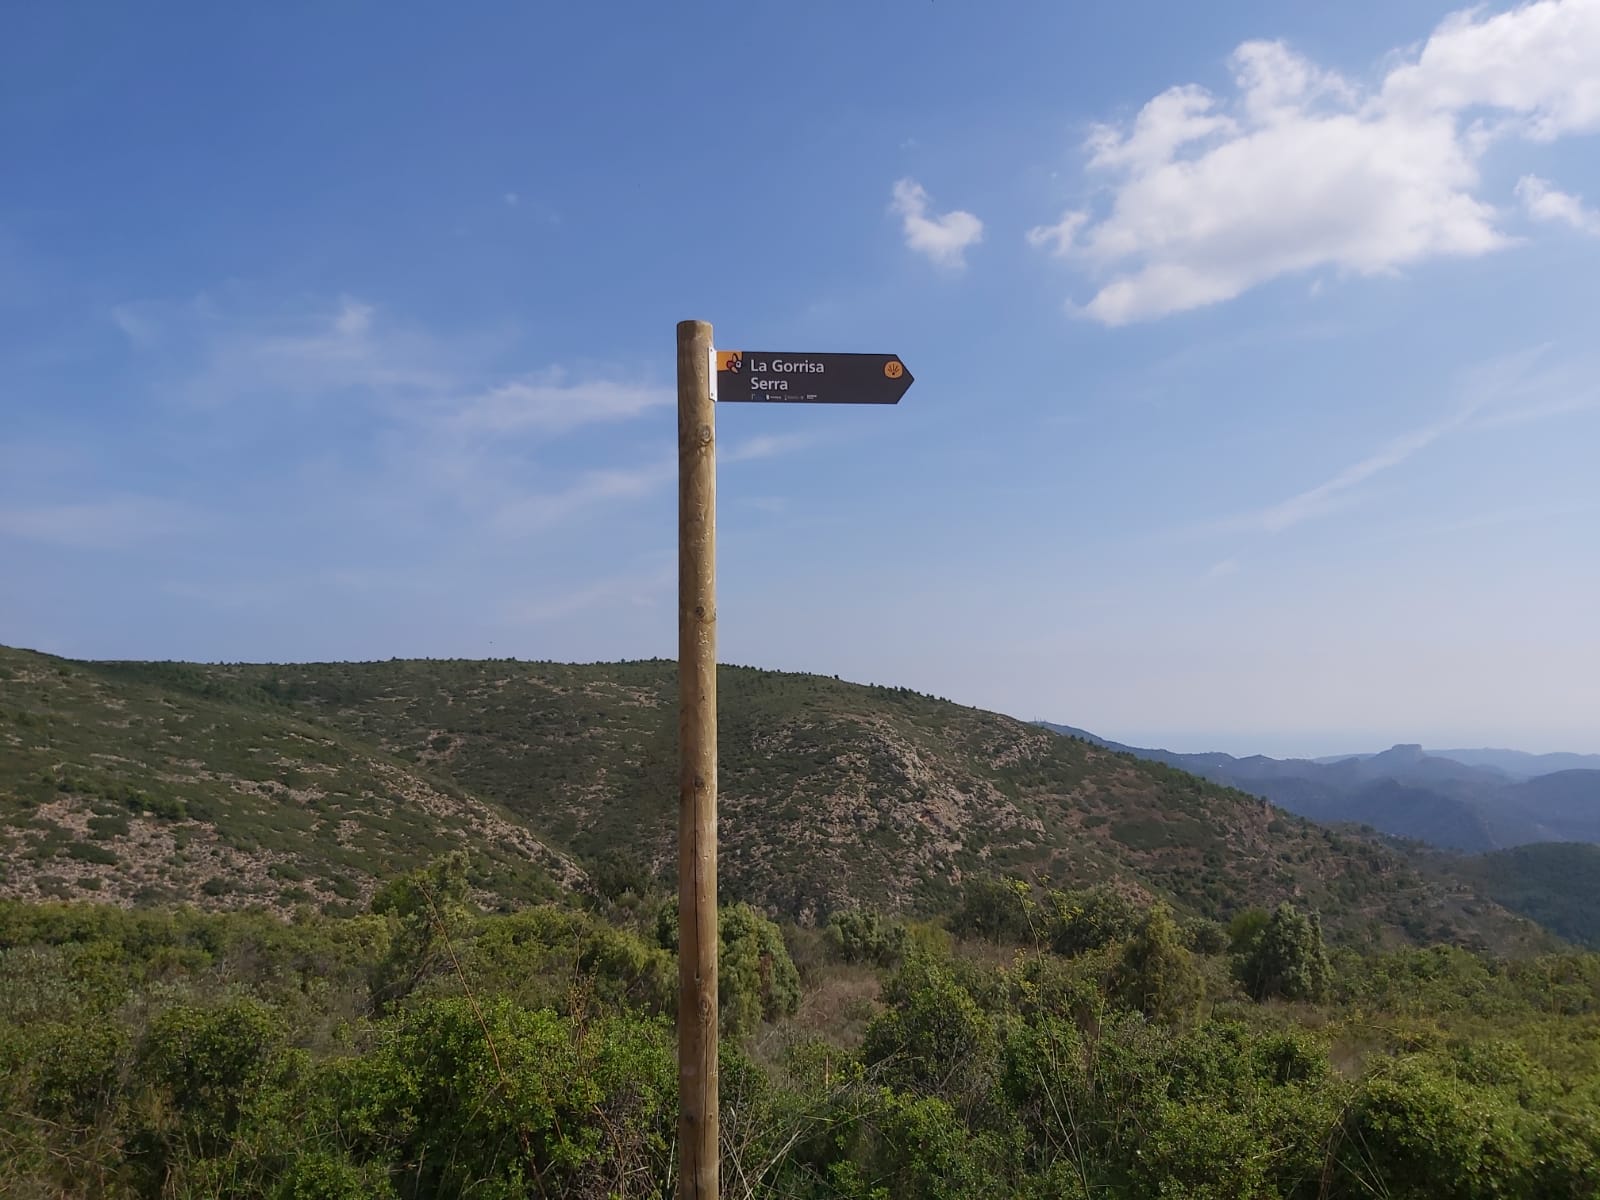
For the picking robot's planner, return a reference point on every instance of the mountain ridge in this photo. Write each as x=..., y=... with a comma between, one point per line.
x=1408, y=792
x=833, y=794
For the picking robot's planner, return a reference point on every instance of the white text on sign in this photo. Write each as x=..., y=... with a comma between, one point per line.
x=762, y=370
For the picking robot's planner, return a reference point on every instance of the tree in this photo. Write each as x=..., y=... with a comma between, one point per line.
x=756, y=978
x=1287, y=959
x=1155, y=973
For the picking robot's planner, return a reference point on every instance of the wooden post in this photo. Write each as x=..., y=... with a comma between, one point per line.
x=697, y=767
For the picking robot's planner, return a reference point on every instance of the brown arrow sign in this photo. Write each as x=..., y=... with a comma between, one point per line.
x=777, y=377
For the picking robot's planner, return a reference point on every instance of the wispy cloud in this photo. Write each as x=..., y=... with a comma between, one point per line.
x=113, y=523
x=524, y=405
x=213, y=352
x=1546, y=203
x=531, y=513
x=528, y=514
x=1338, y=491
x=640, y=589
x=1511, y=390
x=416, y=414
x=766, y=445
x=943, y=238
x=1493, y=519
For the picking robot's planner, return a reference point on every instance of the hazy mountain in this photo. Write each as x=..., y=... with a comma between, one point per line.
x=1521, y=765
x=281, y=785
x=1409, y=792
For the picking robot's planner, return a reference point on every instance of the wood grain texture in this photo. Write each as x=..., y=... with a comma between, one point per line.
x=697, y=768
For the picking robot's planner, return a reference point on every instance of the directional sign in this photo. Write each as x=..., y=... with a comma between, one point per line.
x=764, y=375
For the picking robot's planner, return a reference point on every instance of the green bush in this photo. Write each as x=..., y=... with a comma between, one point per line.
x=860, y=936
x=1426, y=1136
x=1089, y=920
x=1155, y=973
x=188, y=1054
x=997, y=910
x=756, y=979
x=933, y=1040
x=527, y=1102
x=1287, y=959
x=91, y=853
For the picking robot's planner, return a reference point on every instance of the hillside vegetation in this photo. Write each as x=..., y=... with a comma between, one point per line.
x=1086, y=1048
x=183, y=788
x=234, y=785
x=1556, y=884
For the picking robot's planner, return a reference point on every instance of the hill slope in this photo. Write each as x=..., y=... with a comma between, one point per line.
x=832, y=793
x=174, y=787
x=1556, y=884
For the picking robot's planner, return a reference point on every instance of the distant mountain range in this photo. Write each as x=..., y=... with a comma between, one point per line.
x=1517, y=764
x=1473, y=800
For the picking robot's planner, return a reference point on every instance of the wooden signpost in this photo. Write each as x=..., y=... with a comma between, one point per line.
x=706, y=376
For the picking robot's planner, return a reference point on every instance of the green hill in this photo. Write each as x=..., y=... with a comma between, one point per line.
x=235, y=784
x=1554, y=883
x=180, y=787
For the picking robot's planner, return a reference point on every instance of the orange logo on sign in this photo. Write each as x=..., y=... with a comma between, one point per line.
x=731, y=361
x=894, y=368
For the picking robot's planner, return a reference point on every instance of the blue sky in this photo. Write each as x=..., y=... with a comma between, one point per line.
x=1258, y=381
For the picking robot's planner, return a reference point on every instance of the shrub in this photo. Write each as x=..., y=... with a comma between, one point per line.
x=933, y=1040
x=90, y=853
x=997, y=910
x=860, y=936
x=1155, y=973
x=1424, y=1136
x=1088, y=920
x=1205, y=936
x=756, y=978
x=528, y=1103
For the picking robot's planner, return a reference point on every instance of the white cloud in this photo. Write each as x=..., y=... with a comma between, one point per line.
x=1545, y=203
x=1301, y=169
x=944, y=238
x=344, y=351
x=354, y=319
x=135, y=325
x=530, y=513
x=1533, y=65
